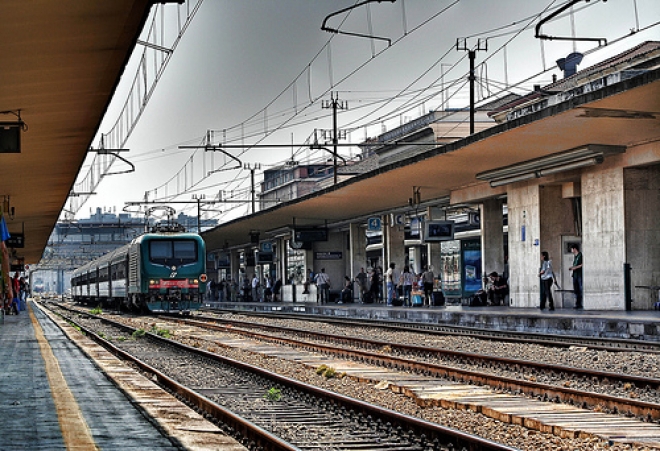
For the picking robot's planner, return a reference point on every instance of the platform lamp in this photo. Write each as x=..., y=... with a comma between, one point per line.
x=10, y=133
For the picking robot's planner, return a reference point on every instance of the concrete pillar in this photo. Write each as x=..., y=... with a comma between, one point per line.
x=235, y=265
x=395, y=250
x=603, y=238
x=524, y=256
x=642, y=219
x=492, y=236
x=280, y=258
x=434, y=249
x=358, y=248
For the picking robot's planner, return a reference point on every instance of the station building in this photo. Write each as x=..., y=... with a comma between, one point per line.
x=577, y=161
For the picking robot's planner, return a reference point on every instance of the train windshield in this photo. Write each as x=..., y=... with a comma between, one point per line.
x=173, y=252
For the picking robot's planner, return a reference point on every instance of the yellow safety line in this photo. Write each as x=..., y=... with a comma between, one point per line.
x=75, y=432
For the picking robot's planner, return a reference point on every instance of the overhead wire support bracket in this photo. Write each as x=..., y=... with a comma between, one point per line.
x=115, y=153
x=324, y=27
x=155, y=46
x=208, y=147
x=537, y=34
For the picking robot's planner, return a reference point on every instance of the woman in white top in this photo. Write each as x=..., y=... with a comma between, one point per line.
x=546, y=274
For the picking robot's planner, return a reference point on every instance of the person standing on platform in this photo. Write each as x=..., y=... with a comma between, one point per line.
x=23, y=293
x=211, y=287
x=268, y=290
x=309, y=280
x=577, y=274
x=221, y=290
x=379, y=271
x=428, y=279
x=374, y=288
x=407, y=279
x=323, y=286
x=547, y=275
x=255, y=288
x=16, y=287
x=391, y=277
x=276, y=289
x=362, y=279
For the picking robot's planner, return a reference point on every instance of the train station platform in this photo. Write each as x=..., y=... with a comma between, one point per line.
x=52, y=397
x=638, y=325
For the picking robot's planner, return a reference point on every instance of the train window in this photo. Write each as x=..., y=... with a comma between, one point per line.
x=173, y=252
x=185, y=250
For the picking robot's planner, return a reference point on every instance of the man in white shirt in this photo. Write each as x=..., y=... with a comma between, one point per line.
x=255, y=288
x=323, y=285
x=391, y=277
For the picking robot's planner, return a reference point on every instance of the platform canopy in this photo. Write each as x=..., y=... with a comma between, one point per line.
x=623, y=114
x=61, y=63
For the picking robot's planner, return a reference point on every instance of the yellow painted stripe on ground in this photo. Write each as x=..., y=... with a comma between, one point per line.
x=75, y=431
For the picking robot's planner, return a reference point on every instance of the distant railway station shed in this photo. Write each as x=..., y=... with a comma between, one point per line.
x=575, y=162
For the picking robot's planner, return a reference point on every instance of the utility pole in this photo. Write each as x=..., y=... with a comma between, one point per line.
x=335, y=104
x=252, y=168
x=472, y=53
x=199, y=210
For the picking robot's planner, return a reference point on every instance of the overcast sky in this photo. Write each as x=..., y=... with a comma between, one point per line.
x=257, y=71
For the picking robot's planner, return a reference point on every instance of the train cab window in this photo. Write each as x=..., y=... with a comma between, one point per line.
x=173, y=252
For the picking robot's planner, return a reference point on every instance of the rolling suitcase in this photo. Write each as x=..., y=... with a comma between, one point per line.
x=397, y=301
x=438, y=298
x=417, y=300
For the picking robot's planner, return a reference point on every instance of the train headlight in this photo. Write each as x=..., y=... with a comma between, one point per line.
x=202, y=278
x=152, y=282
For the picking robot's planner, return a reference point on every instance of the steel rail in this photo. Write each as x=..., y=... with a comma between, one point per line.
x=638, y=408
x=604, y=344
x=432, y=431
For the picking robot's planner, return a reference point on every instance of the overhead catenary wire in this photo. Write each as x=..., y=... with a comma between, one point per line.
x=519, y=84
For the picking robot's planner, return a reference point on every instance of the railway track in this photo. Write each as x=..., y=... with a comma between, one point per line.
x=598, y=343
x=269, y=411
x=543, y=380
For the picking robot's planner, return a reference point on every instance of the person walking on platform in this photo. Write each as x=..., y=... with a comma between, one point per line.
x=547, y=275
x=391, y=277
x=577, y=274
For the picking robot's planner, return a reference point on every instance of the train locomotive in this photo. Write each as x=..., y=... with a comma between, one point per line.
x=160, y=271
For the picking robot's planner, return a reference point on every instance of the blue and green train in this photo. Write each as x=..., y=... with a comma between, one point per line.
x=161, y=271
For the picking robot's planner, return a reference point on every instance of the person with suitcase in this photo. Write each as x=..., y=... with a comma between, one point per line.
x=427, y=280
x=406, y=280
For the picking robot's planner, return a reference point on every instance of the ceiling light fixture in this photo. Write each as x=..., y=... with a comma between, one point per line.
x=576, y=158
